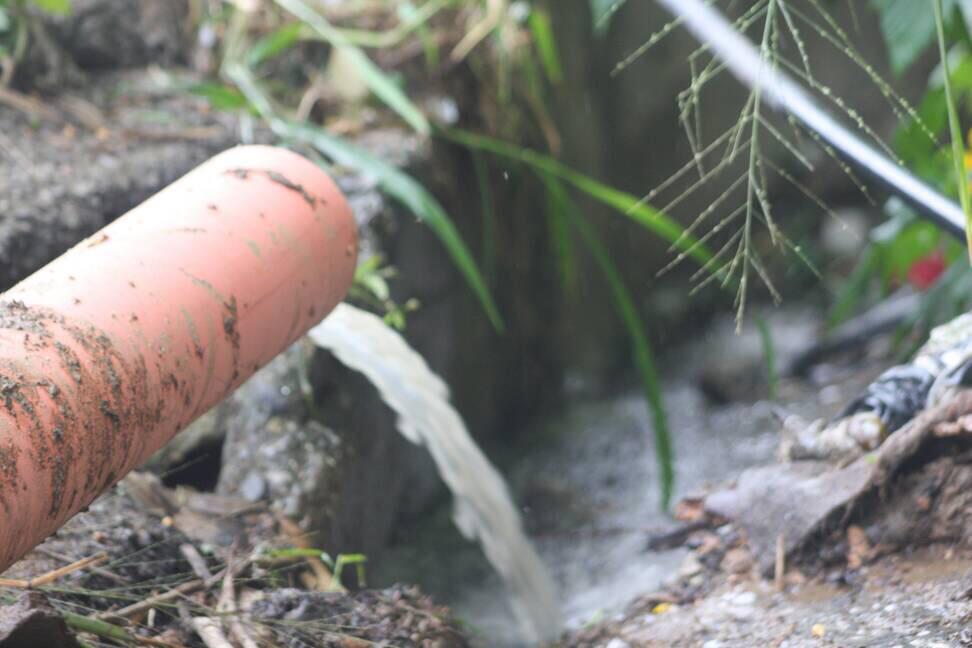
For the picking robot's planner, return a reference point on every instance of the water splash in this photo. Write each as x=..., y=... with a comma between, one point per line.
x=483, y=508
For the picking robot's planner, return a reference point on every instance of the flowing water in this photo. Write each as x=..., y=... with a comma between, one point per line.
x=483, y=508
x=588, y=482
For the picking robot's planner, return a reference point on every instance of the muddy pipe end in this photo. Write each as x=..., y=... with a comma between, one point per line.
x=111, y=349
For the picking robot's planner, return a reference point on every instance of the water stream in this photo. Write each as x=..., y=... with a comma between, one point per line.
x=483, y=508
x=588, y=484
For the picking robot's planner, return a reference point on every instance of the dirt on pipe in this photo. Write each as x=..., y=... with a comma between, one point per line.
x=110, y=350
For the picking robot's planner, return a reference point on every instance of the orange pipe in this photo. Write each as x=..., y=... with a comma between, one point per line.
x=110, y=350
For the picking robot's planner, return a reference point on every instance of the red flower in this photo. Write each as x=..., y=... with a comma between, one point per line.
x=925, y=271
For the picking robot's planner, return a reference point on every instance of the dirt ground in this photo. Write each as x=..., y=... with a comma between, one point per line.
x=920, y=597
x=162, y=560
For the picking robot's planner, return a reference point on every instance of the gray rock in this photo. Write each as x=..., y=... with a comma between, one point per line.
x=254, y=487
x=792, y=500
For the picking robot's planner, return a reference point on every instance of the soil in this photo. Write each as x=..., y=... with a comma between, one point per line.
x=73, y=163
x=917, y=598
x=155, y=540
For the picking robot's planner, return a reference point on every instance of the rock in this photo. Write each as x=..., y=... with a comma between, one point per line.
x=737, y=561
x=32, y=621
x=690, y=566
x=789, y=499
x=617, y=643
x=275, y=450
x=61, y=185
x=102, y=34
x=254, y=487
x=745, y=599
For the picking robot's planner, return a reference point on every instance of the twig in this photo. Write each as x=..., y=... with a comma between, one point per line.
x=188, y=133
x=52, y=576
x=196, y=561
x=27, y=105
x=210, y=632
x=101, y=571
x=228, y=609
x=152, y=601
x=181, y=590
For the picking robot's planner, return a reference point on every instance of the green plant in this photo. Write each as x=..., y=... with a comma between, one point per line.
x=345, y=560
x=16, y=26
x=769, y=355
x=371, y=287
x=955, y=130
x=247, y=89
x=910, y=29
x=564, y=215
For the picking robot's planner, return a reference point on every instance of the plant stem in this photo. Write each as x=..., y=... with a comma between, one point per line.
x=958, y=148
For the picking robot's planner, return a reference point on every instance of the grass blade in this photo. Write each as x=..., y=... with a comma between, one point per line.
x=378, y=82
x=546, y=44
x=275, y=43
x=643, y=354
x=769, y=356
x=625, y=203
x=395, y=183
x=958, y=147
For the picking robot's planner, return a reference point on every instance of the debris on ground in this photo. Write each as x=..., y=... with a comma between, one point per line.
x=872, y=552
x=175, y=567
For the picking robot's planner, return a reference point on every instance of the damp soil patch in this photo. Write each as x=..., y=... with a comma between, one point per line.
x=168, y=566
x=877, y=552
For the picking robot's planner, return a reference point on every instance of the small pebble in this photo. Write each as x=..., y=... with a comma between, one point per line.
x=618, y=643
x=254, y=487
x=690, y=566
x=744, y=598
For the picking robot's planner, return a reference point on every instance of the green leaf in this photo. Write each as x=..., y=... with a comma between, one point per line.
x=643, y=355
x=908, y=27
x=275, y=43
x=546, y=44
x=412, y=195
x=395, y=183
x=918, y=239
x=377, y=81
x=221, y=97
x=628, y=205
x=54, y=7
